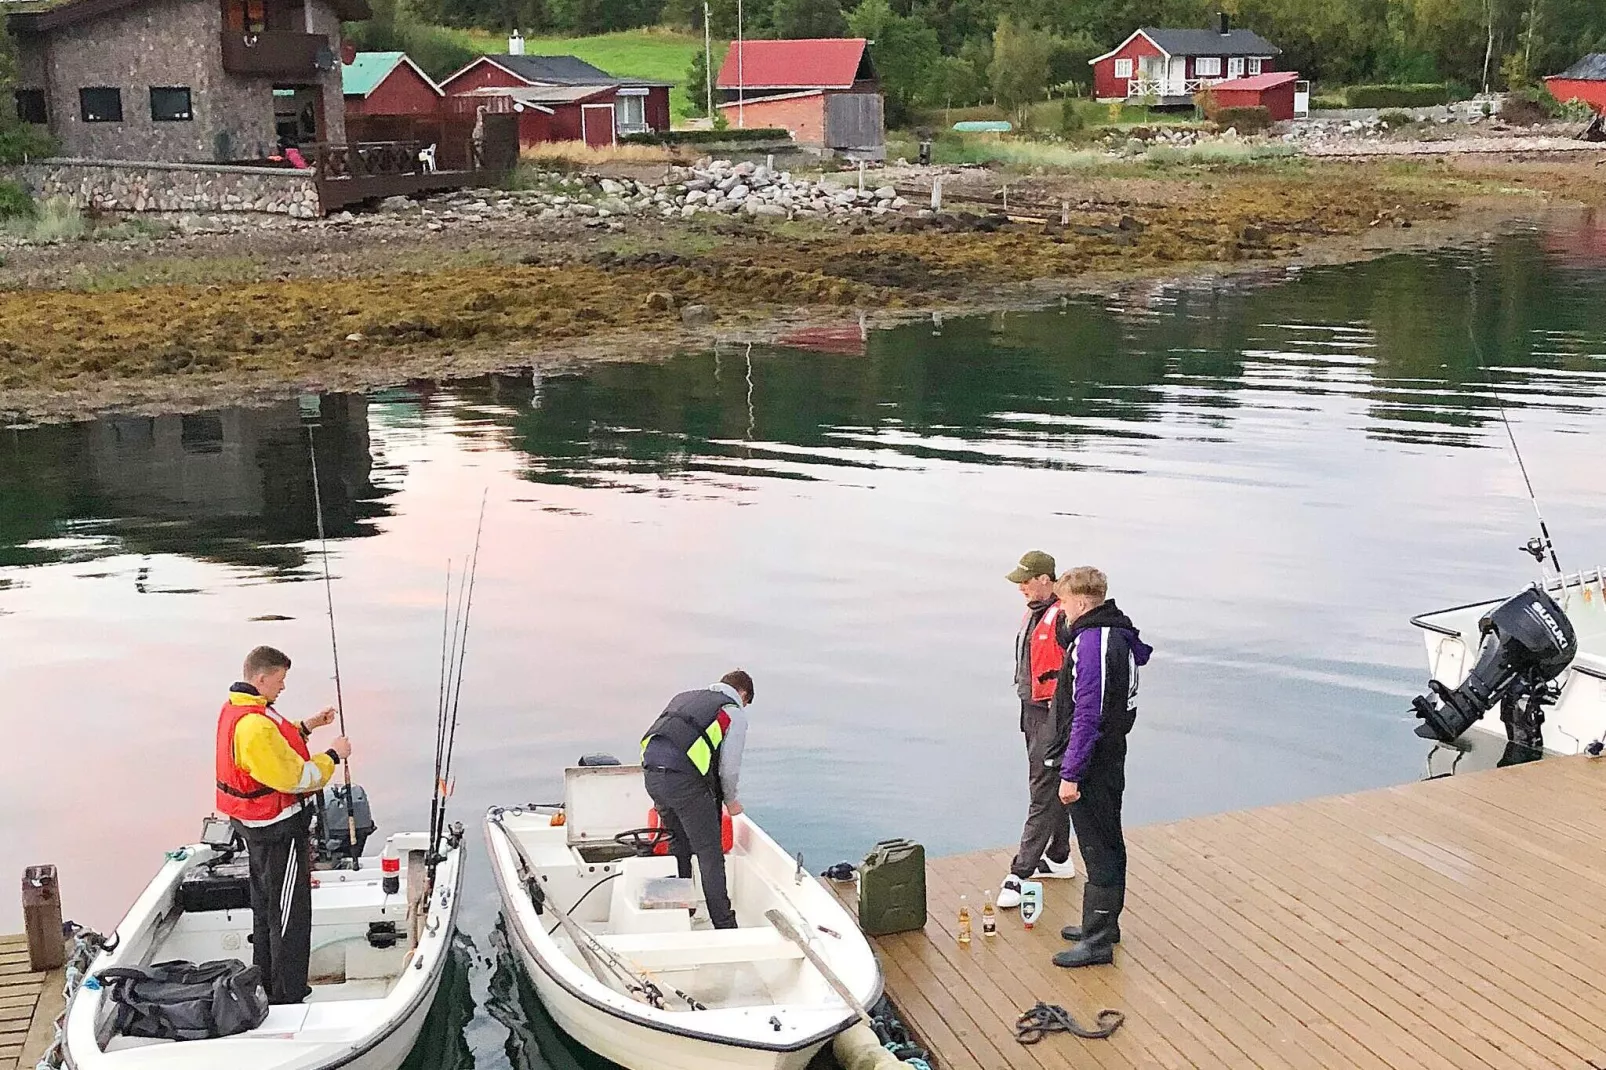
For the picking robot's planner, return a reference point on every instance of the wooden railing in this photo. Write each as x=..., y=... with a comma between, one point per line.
x=1140, y=87
x=368, y=159
x=273, y=53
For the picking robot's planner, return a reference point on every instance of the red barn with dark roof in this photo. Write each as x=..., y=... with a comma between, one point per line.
x=1584, y=80
x=560, y=98
x=823, y=91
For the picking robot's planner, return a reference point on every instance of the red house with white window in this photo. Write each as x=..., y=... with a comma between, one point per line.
x=559, y=98
x=1167, y=67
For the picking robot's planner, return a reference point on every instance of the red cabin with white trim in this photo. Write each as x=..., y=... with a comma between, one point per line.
x=1167, y=67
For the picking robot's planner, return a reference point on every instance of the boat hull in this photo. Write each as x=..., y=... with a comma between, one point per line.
x=638, y=1048
x=374, y=1033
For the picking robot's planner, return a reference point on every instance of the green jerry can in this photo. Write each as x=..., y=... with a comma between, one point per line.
x=892, y=888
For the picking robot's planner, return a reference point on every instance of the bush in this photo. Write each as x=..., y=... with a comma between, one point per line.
x=705, y=137
x=1244, y=120
x=1530, y=107
x=1071, y=120
x=14, y=202
x=1397, y=118
x=1418, y=95
x=21, y=141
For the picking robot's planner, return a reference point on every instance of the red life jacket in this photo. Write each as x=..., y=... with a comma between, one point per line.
x=1045, y=656
x=239, y=795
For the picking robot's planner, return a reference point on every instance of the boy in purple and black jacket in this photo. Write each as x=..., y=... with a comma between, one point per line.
x=1094, y=707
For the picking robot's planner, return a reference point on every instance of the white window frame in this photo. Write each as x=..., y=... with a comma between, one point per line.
x=627, y=101
x=1201, y=71
x=1256, y=64
x=1235, y=67
x=1126, y=72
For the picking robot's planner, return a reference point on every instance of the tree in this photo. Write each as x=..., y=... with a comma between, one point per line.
x=953, y=81
x=808, y=18
x=697, y=78
x=1019, y=70
x=904, y=51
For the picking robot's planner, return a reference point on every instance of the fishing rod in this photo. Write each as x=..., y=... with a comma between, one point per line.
x=1544, y=544
x=334, y=648
x=451, y=691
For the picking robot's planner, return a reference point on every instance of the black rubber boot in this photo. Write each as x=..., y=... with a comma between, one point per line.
x=1073, y=933
x=1101, y=928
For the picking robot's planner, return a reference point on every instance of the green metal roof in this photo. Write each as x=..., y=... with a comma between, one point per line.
x=363, y=75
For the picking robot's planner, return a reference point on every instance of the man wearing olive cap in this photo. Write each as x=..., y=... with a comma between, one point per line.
x=1045, y=842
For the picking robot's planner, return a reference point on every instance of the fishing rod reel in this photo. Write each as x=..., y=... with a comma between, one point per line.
x=1527, y=642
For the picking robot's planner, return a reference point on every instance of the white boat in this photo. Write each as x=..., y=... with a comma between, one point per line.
x=760, y=1002
x=1577, y=718
x=368, y=1001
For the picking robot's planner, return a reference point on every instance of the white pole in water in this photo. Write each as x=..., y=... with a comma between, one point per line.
x=708, y=63
x=741, y=81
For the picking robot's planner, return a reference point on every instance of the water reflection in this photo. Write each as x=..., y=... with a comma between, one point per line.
x=442, y=1044
x=233, y=487
x=1277, y=471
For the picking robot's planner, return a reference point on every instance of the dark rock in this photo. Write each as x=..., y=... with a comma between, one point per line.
x=657, y=301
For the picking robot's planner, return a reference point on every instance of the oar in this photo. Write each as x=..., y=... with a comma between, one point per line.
x=591, y=949
x=784, y=925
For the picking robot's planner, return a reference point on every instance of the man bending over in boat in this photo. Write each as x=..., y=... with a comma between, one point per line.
x=692, y=756
x=264, y=769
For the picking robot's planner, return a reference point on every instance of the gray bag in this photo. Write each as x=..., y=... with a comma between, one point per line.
x=184, y=1000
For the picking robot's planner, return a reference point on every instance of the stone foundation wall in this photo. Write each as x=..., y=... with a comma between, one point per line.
x=116, y=186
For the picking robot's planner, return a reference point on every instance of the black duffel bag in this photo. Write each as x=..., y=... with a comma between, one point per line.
x=185, y=1000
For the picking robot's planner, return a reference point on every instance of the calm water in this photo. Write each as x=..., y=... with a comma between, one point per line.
x=1276, y=473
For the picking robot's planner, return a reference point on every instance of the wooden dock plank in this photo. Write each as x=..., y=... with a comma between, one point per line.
x=1445, y=925
x=29, y=1004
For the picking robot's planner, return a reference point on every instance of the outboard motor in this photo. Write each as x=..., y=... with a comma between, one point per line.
x=1527, y=642
x=332, y=843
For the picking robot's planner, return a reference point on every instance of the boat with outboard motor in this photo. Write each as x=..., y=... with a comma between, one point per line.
x=626, y=964
x=1530, y=669
x=381, y=937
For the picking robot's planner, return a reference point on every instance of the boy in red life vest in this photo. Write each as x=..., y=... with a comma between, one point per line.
x=1045, y=841
x=264, y=771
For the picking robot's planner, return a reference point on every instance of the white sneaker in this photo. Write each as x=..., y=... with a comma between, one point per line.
x=1047, y=868
x=1009, y=893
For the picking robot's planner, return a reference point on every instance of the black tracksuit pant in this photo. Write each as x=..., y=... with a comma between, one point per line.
x=281, y=905
x=1096, y=815
x=689, y=810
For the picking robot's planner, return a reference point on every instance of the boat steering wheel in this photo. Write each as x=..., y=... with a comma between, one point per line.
x=645, y=841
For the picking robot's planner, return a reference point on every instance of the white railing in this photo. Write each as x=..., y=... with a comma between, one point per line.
x=1140, y=87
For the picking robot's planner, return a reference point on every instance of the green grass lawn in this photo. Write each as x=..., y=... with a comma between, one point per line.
x=658, y=54
x=1046, y=115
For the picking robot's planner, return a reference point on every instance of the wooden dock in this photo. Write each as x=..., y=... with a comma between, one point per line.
x=1453, y=924
x=29, y=1004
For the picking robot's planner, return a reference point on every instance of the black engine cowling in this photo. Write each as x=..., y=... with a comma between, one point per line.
x=1527, y=642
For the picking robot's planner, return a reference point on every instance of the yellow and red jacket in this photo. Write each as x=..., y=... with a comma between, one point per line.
x=263, y=765
x=1045, y=657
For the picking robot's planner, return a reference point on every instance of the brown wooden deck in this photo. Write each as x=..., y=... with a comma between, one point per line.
x=29, y=1003
x=1454, y=924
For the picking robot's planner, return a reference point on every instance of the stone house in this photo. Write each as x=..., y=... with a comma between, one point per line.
x=181, y=81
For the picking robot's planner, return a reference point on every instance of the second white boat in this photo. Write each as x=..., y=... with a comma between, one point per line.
x=745, y=999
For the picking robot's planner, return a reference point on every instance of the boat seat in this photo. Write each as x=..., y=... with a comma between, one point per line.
x=625, y=912
x=664, y=951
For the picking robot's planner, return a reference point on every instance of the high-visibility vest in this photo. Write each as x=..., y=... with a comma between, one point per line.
x=695, y=722
x=1044, y=655
x=239, y=795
